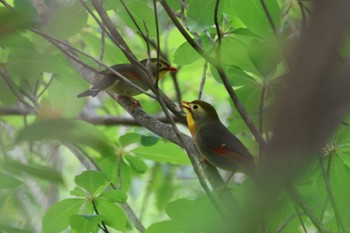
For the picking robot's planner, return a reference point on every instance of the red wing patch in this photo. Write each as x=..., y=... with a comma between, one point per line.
x=229, y=154
x=131, y=75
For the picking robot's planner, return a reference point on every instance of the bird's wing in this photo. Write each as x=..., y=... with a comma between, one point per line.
x=227, y=145
x=125, y=69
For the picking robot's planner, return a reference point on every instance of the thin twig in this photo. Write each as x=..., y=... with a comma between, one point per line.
x=104, y=227
x=46, y=86
x=330, y=194
x=269, y=17
x=204, y=77
x=299, y=200
x=299, y=216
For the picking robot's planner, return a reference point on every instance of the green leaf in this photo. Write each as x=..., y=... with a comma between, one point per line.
x=113, y=215
x=73, y=15
x=142, y=14
x=129, y=138
x=114, y=196
x=111, y=168
x=236, y=76
x=137, y=164
x=200, y=14
x=181, y=210
x=67, y=131
x=10, y=229
x=85, y=223
x=149, y=140
x=252, y=14
x=265, y=56
x=8, y=182
x=168, y=226
x=185, y=54
x=57, y=217
x=163, y=152
x=235, y=53
x=340, y=185
x=79, y=192
x=42, y=172
x=91, y=180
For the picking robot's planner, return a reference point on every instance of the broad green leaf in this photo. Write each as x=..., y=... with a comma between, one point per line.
x=113, y=215
x=149, y=140
x=137, y=164
x=185, y=54
x=250, y=97
x=40, y=171
x=114, y=196
x=62, y=93
x=163, y=152
x=12, y=21
x=10, y=229
x=252, y=14
x=236, y=76
x=181, y=210
x=57, y=217
x=79, y=192
x=265, y=56
x=91, y=180
x=129, y=138
x=235, y=53
x=85, y=223
x=142, y=14
x=73, y=14
x=114, y=172
x=200, y=14
x=67, y=131
x=168, y=226
x=340, y=185
x=8, y=182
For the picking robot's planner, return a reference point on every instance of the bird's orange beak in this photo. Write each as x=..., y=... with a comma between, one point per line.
x=186, y=105
x=170, y=68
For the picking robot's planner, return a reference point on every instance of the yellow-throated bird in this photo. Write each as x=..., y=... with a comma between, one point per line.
x=214, y=141
x=112, y=82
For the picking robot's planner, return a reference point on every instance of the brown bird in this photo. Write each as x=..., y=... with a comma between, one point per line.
x=112, y=82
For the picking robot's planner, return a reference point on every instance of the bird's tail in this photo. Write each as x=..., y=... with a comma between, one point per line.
x=90, y=92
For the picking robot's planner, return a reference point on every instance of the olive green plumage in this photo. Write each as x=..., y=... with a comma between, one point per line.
x=214, y=141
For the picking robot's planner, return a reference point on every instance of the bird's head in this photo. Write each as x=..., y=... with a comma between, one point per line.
x=199, y=113
x=163, y=67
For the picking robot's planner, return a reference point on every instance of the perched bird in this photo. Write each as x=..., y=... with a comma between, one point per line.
x=214, y=141
x=112, y=82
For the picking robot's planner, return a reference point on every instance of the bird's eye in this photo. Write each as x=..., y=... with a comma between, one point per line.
x=195, y=106
x=159, y=65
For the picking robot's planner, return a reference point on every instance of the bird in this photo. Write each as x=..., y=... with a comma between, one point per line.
x=214, y=141
x=111, y=82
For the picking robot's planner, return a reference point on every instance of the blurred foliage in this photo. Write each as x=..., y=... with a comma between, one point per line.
x=60, y=173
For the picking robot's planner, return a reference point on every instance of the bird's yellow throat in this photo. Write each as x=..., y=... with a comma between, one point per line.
x=190, y=122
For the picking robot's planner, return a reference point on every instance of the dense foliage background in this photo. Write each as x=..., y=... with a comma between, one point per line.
x=276, y=71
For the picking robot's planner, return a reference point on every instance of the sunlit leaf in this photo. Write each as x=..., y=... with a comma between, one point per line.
x=137, y=164
x=129, y=138
x=165, y=226
x=91, y=180
x=163, y=152
x=57, y=217
x=114, y=196
x=113, y=215
x=85, y=223
x=252, y=14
